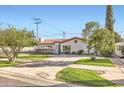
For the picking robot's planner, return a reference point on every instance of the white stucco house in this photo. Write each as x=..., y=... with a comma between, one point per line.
x=118, y=47
x=61, y=46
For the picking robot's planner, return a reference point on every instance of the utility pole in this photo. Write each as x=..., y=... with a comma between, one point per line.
x=37, y=21
x=64, y=35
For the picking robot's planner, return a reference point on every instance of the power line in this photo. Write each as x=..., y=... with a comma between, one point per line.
x=59, y=35
x=55, y=27
x=43, y=21
x=52, y=36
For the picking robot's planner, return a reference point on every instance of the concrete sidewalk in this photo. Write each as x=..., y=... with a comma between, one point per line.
x=118, y=75
x=119, y=63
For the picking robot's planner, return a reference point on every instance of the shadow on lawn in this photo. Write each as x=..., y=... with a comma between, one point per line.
x=46, y=63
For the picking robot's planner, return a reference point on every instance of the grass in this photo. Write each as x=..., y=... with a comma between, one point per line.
x=98, y=62
x=33, y=57
x=83, y=77
x=8, y=64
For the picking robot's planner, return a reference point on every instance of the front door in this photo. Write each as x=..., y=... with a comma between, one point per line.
x=59, y=49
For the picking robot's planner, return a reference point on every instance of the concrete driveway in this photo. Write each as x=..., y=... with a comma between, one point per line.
x=46, y=69
x=40, y=73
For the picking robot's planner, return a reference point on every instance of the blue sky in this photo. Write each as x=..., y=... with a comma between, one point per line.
x=56, y=19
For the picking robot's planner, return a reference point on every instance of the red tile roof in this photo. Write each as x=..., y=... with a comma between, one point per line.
x=52, y=41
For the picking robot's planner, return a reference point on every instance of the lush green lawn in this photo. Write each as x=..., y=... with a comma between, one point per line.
x=98, y=62
x=8, y=64
x=83, y=77
x=33, y=57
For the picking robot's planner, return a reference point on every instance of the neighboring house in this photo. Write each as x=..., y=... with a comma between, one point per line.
x=118, y=47
x=62, y=46
x=24, y=50
x=28, y=49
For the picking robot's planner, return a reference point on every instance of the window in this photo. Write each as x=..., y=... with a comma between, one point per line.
x=75, y=41
x=66, y=48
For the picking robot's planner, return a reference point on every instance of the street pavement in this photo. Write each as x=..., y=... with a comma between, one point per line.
x=7, y=82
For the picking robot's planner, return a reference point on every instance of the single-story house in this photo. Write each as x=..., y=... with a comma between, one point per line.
x=118, y=47
x=62, y=46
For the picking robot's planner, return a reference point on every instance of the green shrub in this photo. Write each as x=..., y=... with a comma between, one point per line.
x=80, y=52
x=73, y=52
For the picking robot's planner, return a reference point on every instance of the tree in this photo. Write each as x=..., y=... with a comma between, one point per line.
x=117, y=37
x=109, y=18
x=13, y=40
x=33, y=34
x=103, y=41
x=90, y=28
x=110, y=22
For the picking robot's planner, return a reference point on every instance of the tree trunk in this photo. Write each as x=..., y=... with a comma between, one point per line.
x=12, y=59
x=88, y=51
x=13, y=54
x=93, y=58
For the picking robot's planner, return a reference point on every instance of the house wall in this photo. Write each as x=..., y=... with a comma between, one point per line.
x=43, y=46
x=54, y=47
x=118, y=48
x=75, y=46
